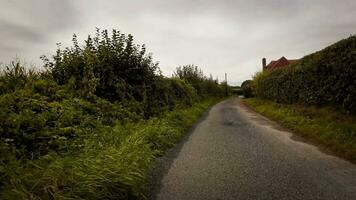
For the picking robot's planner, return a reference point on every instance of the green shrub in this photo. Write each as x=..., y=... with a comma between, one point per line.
x=247, y=88
x=112, y=164
x=326, y=77
x=204, y=86
x=36, y=122
x=112, y=67
x=90, y=125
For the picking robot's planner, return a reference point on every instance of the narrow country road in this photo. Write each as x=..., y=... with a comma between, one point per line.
x=234, y=153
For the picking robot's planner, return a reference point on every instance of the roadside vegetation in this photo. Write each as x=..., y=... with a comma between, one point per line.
x=325, y=126
x=246, y=88
x=90, y=125
x=315, y=96
x=324, y=78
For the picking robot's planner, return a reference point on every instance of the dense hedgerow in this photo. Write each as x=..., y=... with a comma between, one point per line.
x=91, y=123
x=327, y=77
x=105, y=82
x=38, y=115
x=205, y=86
x=112, y=164
x=114, y=68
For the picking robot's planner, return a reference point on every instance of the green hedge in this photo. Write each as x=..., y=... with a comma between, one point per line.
x=112, y=163
x=85, y=89
x=112, y=67
x=327, y=77
x=91, y=123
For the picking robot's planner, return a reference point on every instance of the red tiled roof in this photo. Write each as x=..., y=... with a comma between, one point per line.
x=280, y=63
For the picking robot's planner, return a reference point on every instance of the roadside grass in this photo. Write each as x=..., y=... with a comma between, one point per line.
x=326, y=126
x=111, y=165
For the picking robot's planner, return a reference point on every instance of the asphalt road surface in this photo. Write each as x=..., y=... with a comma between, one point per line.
x=235, y=153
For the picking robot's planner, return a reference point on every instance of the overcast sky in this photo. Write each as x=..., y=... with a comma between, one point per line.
x=220, y=36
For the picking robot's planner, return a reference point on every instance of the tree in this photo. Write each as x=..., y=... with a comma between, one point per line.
x=246, y=87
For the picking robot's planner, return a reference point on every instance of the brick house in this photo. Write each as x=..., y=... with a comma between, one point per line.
x=277, y=64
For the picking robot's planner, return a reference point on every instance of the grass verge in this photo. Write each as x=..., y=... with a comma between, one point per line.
x=111, y=165
x=326, y=126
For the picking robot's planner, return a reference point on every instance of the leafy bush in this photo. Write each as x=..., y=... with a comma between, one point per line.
x=247, y=88
x=111, y=67
x=327, y=77
x=114, y=68
x=204, y=86
x=112, y=165
x=90, y=125
x=35, y=123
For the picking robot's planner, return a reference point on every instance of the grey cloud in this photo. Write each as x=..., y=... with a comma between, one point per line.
x=219, y=35
x=26, y=33
x=25, y=25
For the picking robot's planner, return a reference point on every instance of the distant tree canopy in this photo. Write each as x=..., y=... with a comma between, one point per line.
x=195, y=76
x=246, y=88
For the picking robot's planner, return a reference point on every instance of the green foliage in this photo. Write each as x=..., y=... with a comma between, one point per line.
x=91, y=124
x=114, y=68
x=327, y=126
x=113, y=164
x=247, y=88
x=15, y=76
x=236, y=90
x=326, y=77
x=204, y=86
x=35, y=123
x=111, y=67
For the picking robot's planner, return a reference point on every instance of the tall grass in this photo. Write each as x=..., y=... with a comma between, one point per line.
x=111, y=165
x=327, y=126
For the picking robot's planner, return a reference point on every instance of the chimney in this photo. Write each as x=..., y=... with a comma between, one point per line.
x=263, y=64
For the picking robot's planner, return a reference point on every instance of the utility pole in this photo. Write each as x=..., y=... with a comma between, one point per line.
x=226, y=84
